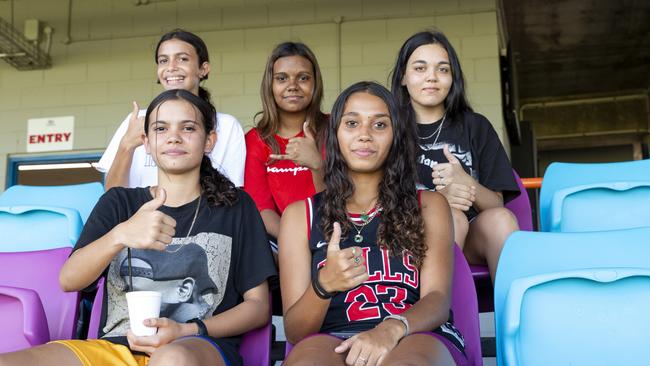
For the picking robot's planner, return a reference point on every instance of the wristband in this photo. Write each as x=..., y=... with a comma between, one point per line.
x=203, y=330
x=319, y=290
x=403, y=320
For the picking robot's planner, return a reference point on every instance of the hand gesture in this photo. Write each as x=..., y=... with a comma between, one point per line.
x=345, y=268
x=134, y=133
x=302, y=151
x=453, y=182
x=168, y=330
x=445, y=174
x=368, y=348
x=148, y=228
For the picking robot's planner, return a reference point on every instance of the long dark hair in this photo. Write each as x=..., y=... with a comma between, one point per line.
x=456, y=102
x=402, y=227
x=269, y=123
x=199, y=46
x=217, y=188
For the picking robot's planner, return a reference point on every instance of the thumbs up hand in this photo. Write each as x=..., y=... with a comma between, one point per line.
x=148, y=228
x=302, y=151
x=453, y=182
x=445, y=174
x=345, y=268
x=135, y=131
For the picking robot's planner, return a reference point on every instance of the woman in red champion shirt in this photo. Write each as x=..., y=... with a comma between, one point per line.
x=283, y=152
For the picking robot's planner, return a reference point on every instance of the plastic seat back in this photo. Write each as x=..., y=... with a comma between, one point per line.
x=546, y=322
x=569, y=259
x=520, y=207
x=562, y=179
x=465, y=308
x=601, y=206
x=29, y=290
x=255, y=347
x=30, y=228
x=81, y=197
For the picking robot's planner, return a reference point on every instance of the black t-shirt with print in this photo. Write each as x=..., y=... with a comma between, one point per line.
x=475, y=143
x=202, y=273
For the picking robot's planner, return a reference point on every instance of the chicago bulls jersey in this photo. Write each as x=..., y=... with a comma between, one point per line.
x=393, y=285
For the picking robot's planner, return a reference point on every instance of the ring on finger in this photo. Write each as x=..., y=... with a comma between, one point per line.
x=357, y=260
x=364, y=360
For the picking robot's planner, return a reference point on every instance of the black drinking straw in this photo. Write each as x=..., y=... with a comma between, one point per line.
x=128, y=252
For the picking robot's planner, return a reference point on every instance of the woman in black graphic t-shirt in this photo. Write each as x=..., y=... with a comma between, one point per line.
x=195, y=239
x=366, y=265
x=459, y=152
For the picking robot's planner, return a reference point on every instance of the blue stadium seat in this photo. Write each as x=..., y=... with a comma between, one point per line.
x=573, y=298
x=81, y=197
x=588, y=197
x=31, y=228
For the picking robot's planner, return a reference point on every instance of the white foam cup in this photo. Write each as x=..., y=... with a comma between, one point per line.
x=143, y=305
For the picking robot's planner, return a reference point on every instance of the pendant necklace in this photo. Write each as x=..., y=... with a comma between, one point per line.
x=366, y=219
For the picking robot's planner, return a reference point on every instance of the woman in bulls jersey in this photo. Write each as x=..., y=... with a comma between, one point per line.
x=366, y=265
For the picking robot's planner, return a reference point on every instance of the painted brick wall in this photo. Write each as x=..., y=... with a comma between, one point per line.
x=109, y=59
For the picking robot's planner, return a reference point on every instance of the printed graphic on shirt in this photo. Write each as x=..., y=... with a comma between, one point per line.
x=293, y=170
x=148, y=161
x=432, y=154
x=191, y=274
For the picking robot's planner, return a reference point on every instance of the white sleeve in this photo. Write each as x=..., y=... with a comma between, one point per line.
x=229, y=156
x=105, y=163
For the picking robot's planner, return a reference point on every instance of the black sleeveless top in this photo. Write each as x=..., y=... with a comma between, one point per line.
x=393, y=285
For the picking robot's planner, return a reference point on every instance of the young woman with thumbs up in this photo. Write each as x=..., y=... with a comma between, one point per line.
x=366, y=265
x=195, y=239
x=283, y=152
x=459, y=153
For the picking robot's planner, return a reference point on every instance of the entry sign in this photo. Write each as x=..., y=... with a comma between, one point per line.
x=50, y=134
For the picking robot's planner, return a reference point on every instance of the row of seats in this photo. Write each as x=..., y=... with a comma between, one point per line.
x=577, y=293
x=538, y=278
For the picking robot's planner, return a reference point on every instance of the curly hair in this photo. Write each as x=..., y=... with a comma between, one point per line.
x=402, y=227
x=218, y=189
x=269, y=122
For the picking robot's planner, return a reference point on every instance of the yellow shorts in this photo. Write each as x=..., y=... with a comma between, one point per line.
x=97, y=352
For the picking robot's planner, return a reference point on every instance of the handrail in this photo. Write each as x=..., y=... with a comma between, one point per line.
x=530, y=183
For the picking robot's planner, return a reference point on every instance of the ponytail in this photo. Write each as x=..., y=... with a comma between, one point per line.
x=205, y=94
x=218, y=189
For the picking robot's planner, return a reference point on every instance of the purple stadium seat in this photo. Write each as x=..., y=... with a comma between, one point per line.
x=255, y=347
x=465, y=309
x=520, y=207
x=33, y=308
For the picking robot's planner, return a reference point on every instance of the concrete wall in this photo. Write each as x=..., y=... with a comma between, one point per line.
x=108, y=61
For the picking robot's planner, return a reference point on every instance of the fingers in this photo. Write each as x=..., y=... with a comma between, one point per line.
x=353, y=354
x=333, y=246
x=345, y=345
x=157, y=201
x=280, y=157
x=136, y=110
x=307, y=131
x=450, y=157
